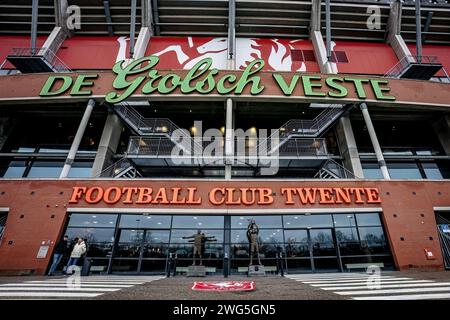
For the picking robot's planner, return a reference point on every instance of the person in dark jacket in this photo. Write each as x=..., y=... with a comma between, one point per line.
x=61, y=249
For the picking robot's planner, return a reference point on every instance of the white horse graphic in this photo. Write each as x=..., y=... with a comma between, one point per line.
x=247, y=50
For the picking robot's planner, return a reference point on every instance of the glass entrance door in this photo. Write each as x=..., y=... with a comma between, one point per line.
x=142, y=250
x=311, y=250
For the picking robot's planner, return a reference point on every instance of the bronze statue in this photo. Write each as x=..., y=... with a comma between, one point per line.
x=199, y=240
x=252, y=236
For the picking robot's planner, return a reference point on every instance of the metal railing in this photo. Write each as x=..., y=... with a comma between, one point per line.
x=122, y=168
x=334, y=170
x=398, y=69
x=48, y=55
x=146, y=126
x=161, y=146
x=294, y=147
x=307, y=128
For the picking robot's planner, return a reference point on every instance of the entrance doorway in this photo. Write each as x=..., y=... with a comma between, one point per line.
x=141, y=250
x=315, y=250
x=443, y=225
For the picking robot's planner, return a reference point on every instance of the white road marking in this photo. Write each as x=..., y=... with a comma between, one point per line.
x=74, y=289
x=392, y=291
x=390, y=287
x=71, y=287
x=408, y=297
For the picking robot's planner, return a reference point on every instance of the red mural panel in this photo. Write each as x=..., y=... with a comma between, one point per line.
x=442, y=53
x=365, y=57
x=7, y=43
x=278, y=54
x=93, y=52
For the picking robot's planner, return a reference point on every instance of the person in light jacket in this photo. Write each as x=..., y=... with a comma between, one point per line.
x=79, y=249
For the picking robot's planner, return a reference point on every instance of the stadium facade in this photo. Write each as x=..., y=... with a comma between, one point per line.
x=135, y=123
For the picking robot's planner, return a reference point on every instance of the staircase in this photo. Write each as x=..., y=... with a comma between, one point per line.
x=157, y=127
x=415, y=67
x=333, y=170
x=123, y=168
x=35, y=60
x=298, y=128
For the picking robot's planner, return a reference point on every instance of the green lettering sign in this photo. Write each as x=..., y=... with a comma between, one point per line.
x=308, y=86
x=48, y=86
x=379, y=90
x=142, y=75
x=336, y=84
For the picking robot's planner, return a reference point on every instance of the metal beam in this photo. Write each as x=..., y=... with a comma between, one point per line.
x=394, y=23
x=77, y=140
x=147, y=14
x=315, y=21
x=155, y=17
x=61, y=14
x=34, y=22
x=132, y=27
x=375, y=143
x=108, y=17
x=427, y=25
x=328, y=28
x=418, y=33
x=231, y=33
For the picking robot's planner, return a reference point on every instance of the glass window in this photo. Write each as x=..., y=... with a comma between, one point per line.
x=346, y=234
x=261, y=221
x=141, y=221
x=178, y=234
x=292, y=236
x=91, y=234
x=265, y=235
x=131, y=236
x=368, y=219
x=321, y=236
x=344, y=220
x=372, y=235
x=432, y=170
x=15, y=169
x=207, y=222
x=157, y=236
x=404, y=170
x=45, y=169
x=371, y=171
x=308, y=221
x=93, y=220
x=80, y=170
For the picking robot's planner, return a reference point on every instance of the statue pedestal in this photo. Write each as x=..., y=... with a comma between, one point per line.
x=196, y=271
x=256, y=270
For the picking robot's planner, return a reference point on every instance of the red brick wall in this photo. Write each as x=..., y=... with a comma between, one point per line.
x=38, y=200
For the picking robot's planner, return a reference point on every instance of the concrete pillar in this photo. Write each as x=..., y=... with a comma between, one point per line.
x=108, y=144
x=393, y=37
x=347, y=146
x=76, y=141
x=229, y=138
x=442, y=129
x=142, y=42
x=375, y=143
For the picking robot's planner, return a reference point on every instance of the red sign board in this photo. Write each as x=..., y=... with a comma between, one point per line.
x=429, y=254
x=222, y=286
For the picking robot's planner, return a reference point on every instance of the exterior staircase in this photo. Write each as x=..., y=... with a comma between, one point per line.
x=299, y=128
x=35, y=60
x=156, y=127
x=415, y=67
x=123, y=168
x=333, y=170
